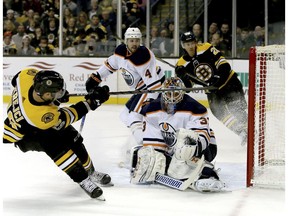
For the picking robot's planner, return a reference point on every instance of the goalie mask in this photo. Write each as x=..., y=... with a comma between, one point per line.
x=170, y=99
x=49, y=81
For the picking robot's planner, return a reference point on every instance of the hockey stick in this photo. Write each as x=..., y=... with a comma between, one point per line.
x=178, y=184
x=171, y=65
x=81, y=128
x=150, y=91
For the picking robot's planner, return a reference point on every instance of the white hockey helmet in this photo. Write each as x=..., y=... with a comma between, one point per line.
x=133, y=32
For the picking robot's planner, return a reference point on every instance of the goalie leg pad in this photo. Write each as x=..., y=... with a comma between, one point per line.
x=149, y=162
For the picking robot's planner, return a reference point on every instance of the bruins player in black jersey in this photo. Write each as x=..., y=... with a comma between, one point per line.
x=208, y=65
x=36, y=122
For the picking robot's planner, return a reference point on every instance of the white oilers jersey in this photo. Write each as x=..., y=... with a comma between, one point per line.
x=160, y=128
x=139, y=69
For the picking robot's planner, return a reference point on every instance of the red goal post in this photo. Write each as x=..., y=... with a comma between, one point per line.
x=266, y=117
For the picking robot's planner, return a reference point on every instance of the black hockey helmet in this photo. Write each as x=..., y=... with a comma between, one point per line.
x=187, y=37
x=49, y=81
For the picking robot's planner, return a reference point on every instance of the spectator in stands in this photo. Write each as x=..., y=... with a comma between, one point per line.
x=197, y=31
x=220, y=45
x=17, y=38
x=131, y=17
x=30, y=28
x=26, y=48
x=95, y=9
x=259, y=37
x=8, y=26
x=170, y=29
x=71, y=31
x=10, y=17
x=82, y=20
x=9, y=47
x=108, y=24
x=244, y=43
x=226, y=36
x=105, y=5
x=52, y=28
x=213, y=28
x=67, y=15
x=155, y=41
x=29, y=16
x=167, y=45
x=36, y=39
x=50, y=14
x=68, y=48
x=71, y=5
x=97, y=29
x=44, y=48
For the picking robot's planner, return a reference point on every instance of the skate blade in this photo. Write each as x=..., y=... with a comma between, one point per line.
x=110, y=184
x=101, y=198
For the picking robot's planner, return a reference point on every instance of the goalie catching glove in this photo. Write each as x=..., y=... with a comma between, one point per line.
x=188, y=145
x=97, y=96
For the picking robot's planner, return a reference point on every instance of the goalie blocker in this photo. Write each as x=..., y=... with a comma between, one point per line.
x=186, y=168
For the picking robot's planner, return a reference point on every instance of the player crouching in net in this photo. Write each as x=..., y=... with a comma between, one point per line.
x=178, y=143
x=35, y=122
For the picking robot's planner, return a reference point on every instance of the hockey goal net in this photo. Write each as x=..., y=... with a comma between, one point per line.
x=266, y=117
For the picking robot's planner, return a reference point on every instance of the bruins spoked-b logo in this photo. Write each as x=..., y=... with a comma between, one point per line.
x=47, y=117
x=168, y=133
x=203, y=72
x=49, y=82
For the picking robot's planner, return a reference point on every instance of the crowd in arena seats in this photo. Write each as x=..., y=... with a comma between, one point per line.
x=31, y=27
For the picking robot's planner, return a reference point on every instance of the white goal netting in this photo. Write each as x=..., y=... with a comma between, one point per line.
x=266, y=141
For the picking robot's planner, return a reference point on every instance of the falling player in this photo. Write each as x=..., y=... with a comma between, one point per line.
x=206, y=63
x=137, y=65
x=35, y=123
x=176, y=135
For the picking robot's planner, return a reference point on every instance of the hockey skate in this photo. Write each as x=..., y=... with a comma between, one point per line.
x=102, y=179
x=208, y=185
x=92, y=189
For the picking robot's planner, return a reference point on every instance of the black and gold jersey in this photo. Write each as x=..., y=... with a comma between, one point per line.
x=24, y=114
x=208, y=65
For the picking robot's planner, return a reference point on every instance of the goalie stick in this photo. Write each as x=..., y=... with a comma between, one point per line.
x=150, y=91
x=179, y=184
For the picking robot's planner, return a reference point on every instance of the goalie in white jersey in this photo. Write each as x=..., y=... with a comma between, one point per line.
x=176, y=136
x=137, y=64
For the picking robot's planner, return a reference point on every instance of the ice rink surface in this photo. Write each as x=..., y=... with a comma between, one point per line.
x=33, y=186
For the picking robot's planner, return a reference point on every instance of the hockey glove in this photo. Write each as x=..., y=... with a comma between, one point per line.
x=93, y=81
x=97, y=96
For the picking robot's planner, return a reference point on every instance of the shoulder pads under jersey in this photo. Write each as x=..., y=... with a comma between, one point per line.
x=201, y=48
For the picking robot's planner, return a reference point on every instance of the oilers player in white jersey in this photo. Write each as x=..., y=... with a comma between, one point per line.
x=137, y=65
x=176, y=135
